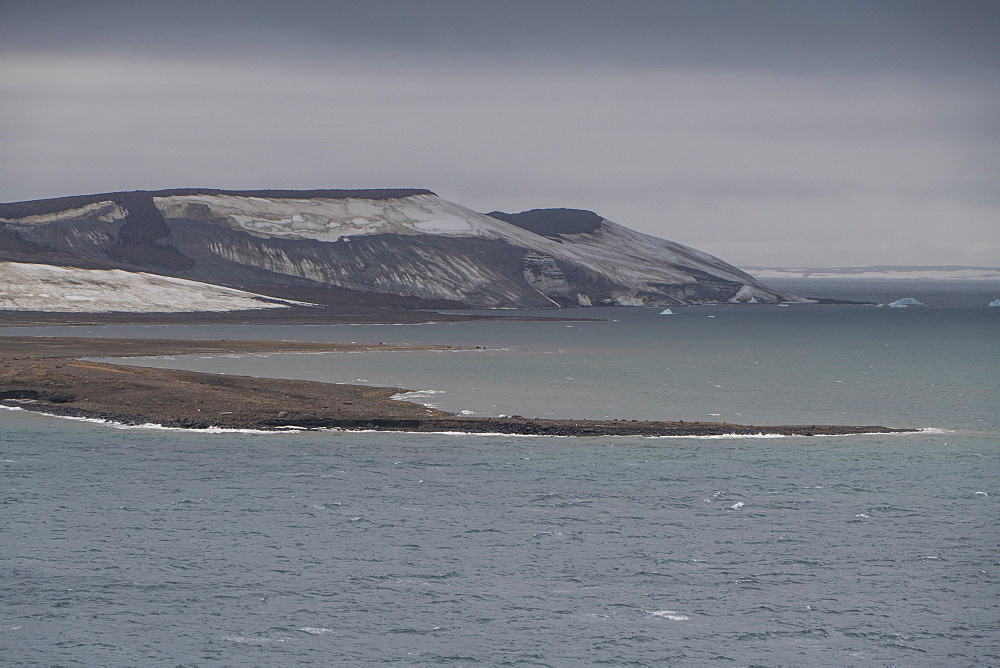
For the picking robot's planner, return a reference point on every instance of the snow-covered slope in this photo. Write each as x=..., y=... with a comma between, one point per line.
x=326, y=219
x=42, y=287
x=647, y=264
x=410, y=243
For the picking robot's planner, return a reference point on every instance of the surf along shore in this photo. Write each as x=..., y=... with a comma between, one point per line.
x=45, y=374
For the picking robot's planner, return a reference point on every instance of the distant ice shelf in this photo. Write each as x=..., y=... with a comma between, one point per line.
x=947, y=273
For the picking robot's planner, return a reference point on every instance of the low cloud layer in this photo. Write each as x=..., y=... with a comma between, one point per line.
x=764, y=147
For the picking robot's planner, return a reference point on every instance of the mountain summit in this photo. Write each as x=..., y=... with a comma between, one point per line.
x=410, y=246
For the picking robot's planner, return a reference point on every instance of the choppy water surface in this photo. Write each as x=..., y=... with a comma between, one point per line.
x=141, y=546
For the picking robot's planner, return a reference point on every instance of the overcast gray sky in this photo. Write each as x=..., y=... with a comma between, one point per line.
x=771, y=133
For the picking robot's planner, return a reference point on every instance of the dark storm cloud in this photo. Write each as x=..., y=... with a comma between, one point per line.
x=752, y=129
x=930, y=37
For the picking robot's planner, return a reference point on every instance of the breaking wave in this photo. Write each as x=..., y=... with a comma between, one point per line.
x=159, y=427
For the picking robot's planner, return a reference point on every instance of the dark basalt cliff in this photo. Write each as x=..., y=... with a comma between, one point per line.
x=406, y=247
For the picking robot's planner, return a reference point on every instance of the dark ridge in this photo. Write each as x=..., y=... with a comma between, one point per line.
x=830, y=300
x=136, y=244
x=143, y=221
x=151, y=254
x=40, y=207
x=14, y=248
x=12, y=243
x=137, y=240
x=552, y=222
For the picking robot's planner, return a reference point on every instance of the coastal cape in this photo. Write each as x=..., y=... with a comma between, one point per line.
x=41, y=374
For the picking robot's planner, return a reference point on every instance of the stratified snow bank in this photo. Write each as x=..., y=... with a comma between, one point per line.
x=42, y=287
x=104, y=211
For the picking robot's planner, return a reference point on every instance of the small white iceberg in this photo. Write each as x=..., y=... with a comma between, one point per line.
x=906, y=301
x=667, y=311
x=995, y=302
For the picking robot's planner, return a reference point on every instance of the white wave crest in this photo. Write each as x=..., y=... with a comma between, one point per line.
x=415, y=394
x=253, y=640
x=721, y=436
x=288, y=429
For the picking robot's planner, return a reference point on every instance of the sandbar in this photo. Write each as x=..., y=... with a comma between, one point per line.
x=45, y=374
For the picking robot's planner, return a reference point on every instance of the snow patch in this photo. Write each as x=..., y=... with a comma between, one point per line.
x=105, y=211
x=748, y=294
x=42, y=287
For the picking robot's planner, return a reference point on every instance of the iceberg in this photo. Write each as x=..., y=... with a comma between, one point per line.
x=995, y=302
x=667, y=311
x=906, y=301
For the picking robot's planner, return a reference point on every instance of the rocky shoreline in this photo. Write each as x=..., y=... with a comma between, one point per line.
x=40, y=374
x=295, y=315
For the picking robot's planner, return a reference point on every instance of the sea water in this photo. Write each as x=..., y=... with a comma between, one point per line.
x=140, y=546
